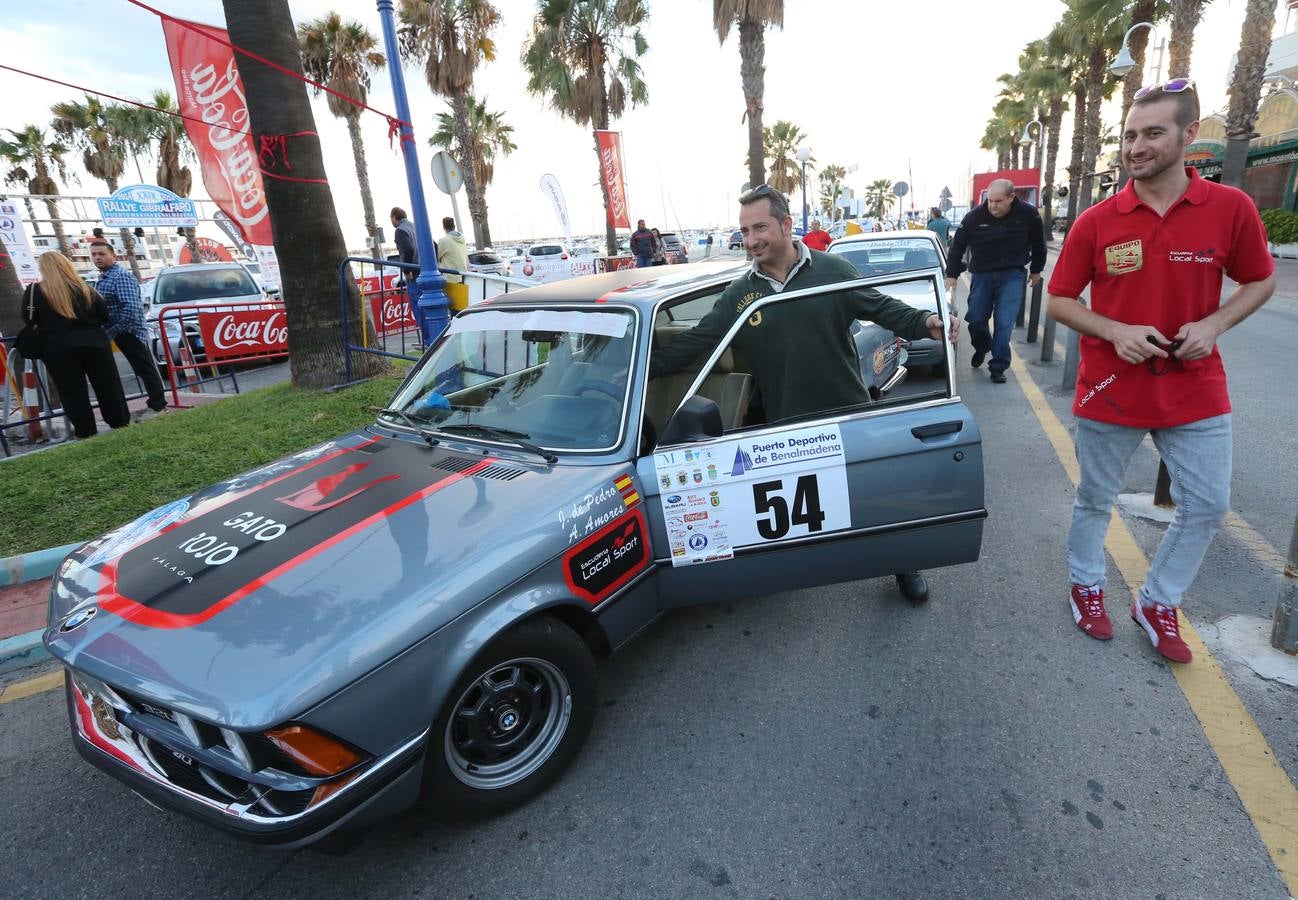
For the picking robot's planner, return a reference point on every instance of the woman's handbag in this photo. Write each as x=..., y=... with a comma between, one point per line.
x=30, y=342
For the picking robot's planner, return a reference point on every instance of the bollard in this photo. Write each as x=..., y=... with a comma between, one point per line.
x=1048, y=339
x=32, y=402
x=1018, y=322
x=1284, y=632
x=1034, y=317
x=1163, y=487
x=1072, y=358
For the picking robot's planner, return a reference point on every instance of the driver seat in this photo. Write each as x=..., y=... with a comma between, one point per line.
x=732, y=392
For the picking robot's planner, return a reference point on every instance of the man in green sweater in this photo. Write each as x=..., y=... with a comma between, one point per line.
x=801, y=354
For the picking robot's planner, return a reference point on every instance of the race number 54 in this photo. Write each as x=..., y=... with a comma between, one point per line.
x=777, y=513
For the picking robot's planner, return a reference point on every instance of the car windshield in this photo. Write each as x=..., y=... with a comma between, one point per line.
x=483, y=259
x=203, y=284
x=888, y=256
x=556, y=377
x=545, y=250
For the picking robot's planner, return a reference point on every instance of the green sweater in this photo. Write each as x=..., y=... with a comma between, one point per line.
x=801, y=353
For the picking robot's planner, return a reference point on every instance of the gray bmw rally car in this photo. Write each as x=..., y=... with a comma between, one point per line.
x=413, y=610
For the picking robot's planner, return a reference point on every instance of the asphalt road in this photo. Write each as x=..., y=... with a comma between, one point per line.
x=827, y=743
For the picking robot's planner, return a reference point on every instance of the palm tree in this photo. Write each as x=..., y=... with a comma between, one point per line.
x=1102, y=25
x=780, y=144
x=831, y=186
x=583, y=56
x=11, y=293
x=879, y=196
x=752, y=16
x=1050, y=79
x=341, y=55
x=29, y=148
x=96, y=129
x=1246, y=87
x=490, y=136
x=304, y=226
x=451, y=37
x=1185, y=18
x=173, y=148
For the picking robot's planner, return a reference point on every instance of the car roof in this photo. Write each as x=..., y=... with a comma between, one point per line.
x=205, y=267
x=922, y=234
x=639, y=287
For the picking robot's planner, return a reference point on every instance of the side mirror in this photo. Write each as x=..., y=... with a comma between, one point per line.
x=697, y=420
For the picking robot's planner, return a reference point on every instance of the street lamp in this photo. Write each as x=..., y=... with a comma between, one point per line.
x=1123, y=62
x=1027, y=139
x=804, y=154
x=428, y=292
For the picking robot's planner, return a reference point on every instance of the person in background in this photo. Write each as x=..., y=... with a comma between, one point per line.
x=452, y=253
x=125, y=327
x=939, y=225
x=816, y=238
x=642, y=245
x=71, y=317
x=404, y=235
x=1003, y=235
x=659, y=248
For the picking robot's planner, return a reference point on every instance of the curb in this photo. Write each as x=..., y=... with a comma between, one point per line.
x=26, y=649
x=33, y=566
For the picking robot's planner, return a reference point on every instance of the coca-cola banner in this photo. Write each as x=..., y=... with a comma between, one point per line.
x=611, y=171
x=390, y=310
x=209, y=89
x=243, y=333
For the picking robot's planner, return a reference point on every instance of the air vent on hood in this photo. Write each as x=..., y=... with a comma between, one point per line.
x=499, y=472
x=454, y=463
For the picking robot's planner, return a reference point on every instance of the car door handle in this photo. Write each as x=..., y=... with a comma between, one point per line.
x=928, y=432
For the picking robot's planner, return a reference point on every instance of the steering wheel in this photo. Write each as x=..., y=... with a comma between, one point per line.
x=607, y=388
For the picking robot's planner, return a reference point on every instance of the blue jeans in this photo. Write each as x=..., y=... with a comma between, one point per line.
x=996, y=296
x=644, y=262
x=1198, y=457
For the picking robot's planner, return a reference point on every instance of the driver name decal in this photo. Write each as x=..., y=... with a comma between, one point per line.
x=608, y=559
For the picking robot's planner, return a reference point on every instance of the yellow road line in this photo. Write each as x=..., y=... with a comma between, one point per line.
x=1253, y=542
x=1269, y=797
x=39, y=685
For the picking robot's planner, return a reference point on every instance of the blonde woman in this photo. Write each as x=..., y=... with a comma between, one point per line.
x=71, y=317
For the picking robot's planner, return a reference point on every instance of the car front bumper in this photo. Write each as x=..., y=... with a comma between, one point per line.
x=384, y=787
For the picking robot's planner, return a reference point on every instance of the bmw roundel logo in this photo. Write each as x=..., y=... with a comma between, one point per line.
x=78, y=618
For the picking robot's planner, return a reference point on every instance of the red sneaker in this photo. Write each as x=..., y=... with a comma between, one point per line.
x=1088, y=611
x=1164, y=630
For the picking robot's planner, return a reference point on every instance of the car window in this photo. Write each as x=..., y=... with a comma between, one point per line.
x=772, y=370
x=888, y=257
x=203, y=284
x=484, y=259
x=556, y=377
x=545, y=250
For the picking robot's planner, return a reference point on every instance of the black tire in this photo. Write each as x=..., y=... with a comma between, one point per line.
x=540, y=676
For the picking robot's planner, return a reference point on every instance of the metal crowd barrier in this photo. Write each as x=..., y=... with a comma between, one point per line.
x=397, y=323
x=190, y=343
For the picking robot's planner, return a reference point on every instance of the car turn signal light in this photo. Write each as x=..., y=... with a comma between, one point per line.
x=318, y=754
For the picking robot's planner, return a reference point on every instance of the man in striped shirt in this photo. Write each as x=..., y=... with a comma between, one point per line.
x=121, y=293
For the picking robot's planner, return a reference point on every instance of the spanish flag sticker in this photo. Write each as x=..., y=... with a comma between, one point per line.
x=630, y=496
x=622, y=482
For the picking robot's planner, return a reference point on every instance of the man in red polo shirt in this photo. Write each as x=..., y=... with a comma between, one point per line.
x=1154, y=255
x=817, y=238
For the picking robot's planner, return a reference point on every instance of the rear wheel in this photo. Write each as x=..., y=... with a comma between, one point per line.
x=514, y=721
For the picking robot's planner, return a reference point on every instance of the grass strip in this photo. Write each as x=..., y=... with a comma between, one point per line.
x=77, y=491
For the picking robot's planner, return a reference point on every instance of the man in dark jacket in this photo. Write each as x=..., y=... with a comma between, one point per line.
x=642, y=245
x=801, y=355
x=1003, y=235
x=404, y=235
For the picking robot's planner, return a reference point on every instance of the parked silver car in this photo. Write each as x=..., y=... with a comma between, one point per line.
x=413, y=610
x=192, y=286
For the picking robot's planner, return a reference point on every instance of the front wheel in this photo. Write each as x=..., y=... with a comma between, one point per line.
x=514, y=721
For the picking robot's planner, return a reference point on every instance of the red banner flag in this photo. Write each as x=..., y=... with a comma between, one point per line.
x=611, y=171
x=208, y=88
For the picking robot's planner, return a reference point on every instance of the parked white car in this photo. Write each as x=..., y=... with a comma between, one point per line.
x=193, y=285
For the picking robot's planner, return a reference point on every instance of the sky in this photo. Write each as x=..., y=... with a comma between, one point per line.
x=899, y=90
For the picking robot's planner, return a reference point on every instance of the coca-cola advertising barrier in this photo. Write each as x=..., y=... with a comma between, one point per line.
x=208, y=88
x=389, y=303
x=239, y=334
x=612, y=171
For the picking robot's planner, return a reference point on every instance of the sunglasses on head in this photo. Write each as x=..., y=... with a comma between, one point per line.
x=762, y=190
x=1172, y=86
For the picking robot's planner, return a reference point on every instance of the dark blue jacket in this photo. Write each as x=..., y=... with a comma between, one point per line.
x=1011, y=242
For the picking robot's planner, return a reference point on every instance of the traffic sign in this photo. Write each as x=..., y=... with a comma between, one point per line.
x=901, y=188
x=446, y=172
x=944, y=204
x=946, y=193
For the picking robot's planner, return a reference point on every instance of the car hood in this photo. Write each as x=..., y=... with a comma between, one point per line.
x=249, y=602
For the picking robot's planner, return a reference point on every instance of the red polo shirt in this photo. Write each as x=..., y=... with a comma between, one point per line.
x=817, y=240
x=1164, y=271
